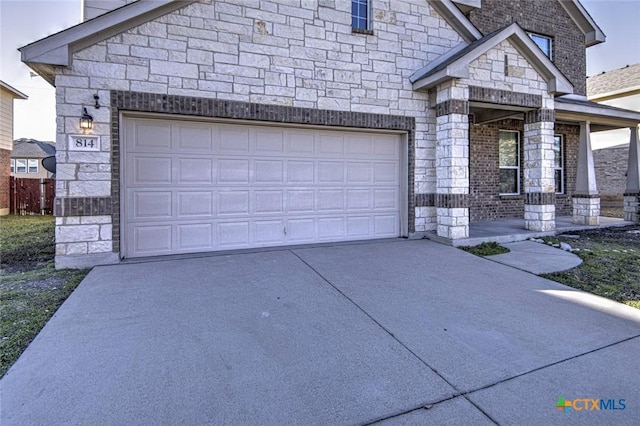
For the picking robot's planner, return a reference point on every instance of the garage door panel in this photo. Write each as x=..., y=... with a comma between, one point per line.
x=330, y=172
x=233, y=171
x=212, y=186
x=193, y=137
x=299, y=172
x=385, y=225
x=268, y=202
x=301, y=230
x=151, y=205
x=300, y=201
x=195, y=203
x=268, y=171
x=233, y=234
x=269, y=141
x=195, y=171
x=268, y=232
x=331, y=199
x=194, y=236
x=234, y=139
x=152, y=240
x=233, y=203
x=151, y=170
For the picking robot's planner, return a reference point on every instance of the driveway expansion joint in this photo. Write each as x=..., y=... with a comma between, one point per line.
x=457, y=391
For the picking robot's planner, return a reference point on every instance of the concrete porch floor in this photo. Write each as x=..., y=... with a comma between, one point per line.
x=512, y=230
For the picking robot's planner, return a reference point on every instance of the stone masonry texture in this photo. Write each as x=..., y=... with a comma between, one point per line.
x=545, y=17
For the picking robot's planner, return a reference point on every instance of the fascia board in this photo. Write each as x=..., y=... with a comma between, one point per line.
x=460, y=23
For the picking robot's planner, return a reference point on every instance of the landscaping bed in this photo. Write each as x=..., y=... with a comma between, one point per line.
x=31, y=290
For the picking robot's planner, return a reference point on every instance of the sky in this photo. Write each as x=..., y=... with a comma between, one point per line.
x=25, y=21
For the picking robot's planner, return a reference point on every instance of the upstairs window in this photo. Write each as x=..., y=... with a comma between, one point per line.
x=509, y=157
x=360, y=16
x=33, y=166
x=544, y=43
x=21, y=166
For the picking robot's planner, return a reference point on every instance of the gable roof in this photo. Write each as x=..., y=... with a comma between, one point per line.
x=56, y=50
x=455, y=64
x=31, y=148
x=454, y=16
x=614, y=82
x=14, y=92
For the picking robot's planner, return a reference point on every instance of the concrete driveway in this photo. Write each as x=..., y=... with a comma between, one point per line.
x=346, y=334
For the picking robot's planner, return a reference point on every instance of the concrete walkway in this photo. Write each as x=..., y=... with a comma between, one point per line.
x=346, y=334
x=536, y=258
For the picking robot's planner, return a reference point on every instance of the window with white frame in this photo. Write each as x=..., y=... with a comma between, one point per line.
x=13, y=165
x=544, y=43
x=509, y=159
x=21, y=166
x=558, y=148
x=360, y=15
x=32, y=166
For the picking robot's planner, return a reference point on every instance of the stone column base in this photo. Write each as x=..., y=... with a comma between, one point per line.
x=540, y=217
x=632, y=207
x=586, y=211
x=453, y=224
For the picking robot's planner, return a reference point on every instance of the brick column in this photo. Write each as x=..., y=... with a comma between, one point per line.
x=586, y=201
x=452, y=161
x=539, y=171
x=632, y=193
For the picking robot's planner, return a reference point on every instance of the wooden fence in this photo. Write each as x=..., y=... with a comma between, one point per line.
x=31, y=196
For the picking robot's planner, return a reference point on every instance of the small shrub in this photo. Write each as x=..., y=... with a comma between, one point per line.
x=486, y=249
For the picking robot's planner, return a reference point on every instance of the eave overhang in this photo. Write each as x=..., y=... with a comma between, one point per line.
x=455, y=64
x=56, y=50
x=456, y=19
x=578, y=108
x=592, y=33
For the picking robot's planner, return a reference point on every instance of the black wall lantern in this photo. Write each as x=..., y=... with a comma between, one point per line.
x=86, y=121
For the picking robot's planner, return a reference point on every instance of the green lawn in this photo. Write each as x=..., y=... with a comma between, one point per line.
x=31, y=290
x=611, y=264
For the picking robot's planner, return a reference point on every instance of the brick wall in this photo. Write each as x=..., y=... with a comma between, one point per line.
x=546, y=17
x=5, y=170
x=485, y=200
x=611, y=169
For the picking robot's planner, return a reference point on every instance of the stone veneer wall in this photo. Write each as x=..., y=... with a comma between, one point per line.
x=546, y=17
x=5, y=172
x=611, y=173
x=261, y=53
x=485, y=200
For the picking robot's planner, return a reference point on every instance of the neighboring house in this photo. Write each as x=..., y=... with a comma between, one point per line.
x=218, y=124
x=618, y=88
x=27, y=156
x=7, y=95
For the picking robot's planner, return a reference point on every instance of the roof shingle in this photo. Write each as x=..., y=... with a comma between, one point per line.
x=614, y=80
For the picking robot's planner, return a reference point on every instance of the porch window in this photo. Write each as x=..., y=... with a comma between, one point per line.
x=360, y=16
x=558, y=148
x=33, y=166
x=544, y=43
x=509, y=153
x=21, y=166
x=13, y=165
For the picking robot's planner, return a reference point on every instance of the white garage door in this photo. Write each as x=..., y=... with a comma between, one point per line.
x=195, y=187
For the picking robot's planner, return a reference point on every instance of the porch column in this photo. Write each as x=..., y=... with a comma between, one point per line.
x=539, y=171
x=586, y=201
x=452, y=161
x=632, y=193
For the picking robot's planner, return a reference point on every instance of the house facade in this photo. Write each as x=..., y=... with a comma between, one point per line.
x=27, y=156
x=7, y=95
x=219, y=125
